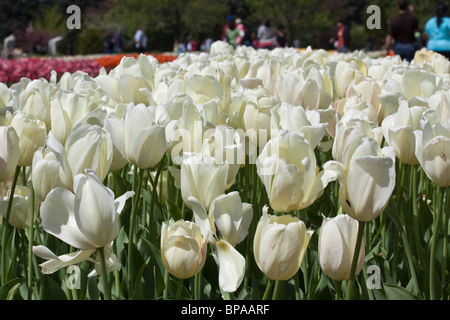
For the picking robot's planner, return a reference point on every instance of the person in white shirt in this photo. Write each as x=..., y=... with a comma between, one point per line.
x=140, y=40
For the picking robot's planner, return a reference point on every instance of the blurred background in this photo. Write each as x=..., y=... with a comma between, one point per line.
x=307, y=22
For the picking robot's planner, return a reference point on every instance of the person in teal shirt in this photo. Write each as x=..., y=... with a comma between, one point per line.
x=438, y=31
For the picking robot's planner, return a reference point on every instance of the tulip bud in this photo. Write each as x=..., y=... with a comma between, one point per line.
x=32, y=133
x=337, y=241
x=183, y=249
x=202, y=177
x=85, y=148
x=144, y=141
x=256, y=115
x=45, y=173
x=35, y=99
x=398, y=130
x=20, y=210
x=280, y=244
x=9, y=152
x=433, y=149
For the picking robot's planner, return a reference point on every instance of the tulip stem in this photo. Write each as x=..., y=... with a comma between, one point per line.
x=268, y=289
x=349, y=292
x=338, y=290
x=276, y=290
x=166, y=284
x=137, y=182
x=30, y=241
x=445, y=249
x=6, y=225
x=106, y=287
x=197, y=285
x=179, y=289
x=437, y=227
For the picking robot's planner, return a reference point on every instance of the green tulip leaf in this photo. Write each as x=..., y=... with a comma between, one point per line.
x=9, y=289
x=394, y=292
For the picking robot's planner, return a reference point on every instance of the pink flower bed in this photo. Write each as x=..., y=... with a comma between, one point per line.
x=13, y=70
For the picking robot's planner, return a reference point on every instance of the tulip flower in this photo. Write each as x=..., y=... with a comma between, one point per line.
x=5, y=95
x=203, y=88
x=256, y=115
x=347, y=132
x=32, y=134
x=227, y=216
x=35, y=99
x=225, y=226
x=183, y=249
x=289, y=117
x=87, y=147
x=9, y=152
x=203, y=178
x=67, y=109
x=433, y=148
x=291, y=179
x=219, y=48
x=440, y=102
x=224, y=143
x=337, y=241
x=369, y=91
x=279, y=245
x=366, y=178
x=45, y=173
x=20, y=210
x=345, y=73
x=144, y=141
x=86, y=219
x=398, y=130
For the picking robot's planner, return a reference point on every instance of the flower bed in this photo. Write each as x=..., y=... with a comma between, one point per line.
x=235, y=174
x=12, y=70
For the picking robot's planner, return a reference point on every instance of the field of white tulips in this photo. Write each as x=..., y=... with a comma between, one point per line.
x=235, y=174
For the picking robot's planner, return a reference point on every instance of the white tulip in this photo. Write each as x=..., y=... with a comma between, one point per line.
x=183, y=249
x=32, y=133
x=202, y=177
x=291, y=179
x=86, y=219
x=279, y=245
x=398, y=130
x=225, y=226
x=144, y=141
x=45, y=173
x=366, y=178
x=289, y=117
x=85, y=148
x=337, y=242
x=9, y=152
x=20, y=210
x=433, y=149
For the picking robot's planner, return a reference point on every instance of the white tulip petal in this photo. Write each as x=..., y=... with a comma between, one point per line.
x=55, y=263
x=231, y=266
x=58, y=219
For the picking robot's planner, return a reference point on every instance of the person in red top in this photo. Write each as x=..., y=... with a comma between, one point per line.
x=401, y=31
x=342, y=39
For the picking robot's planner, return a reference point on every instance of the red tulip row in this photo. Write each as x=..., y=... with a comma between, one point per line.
x=12, y=70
